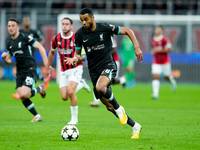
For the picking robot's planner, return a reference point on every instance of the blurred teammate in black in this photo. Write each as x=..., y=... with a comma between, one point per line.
x=96, y=40
x=37, y=35
x=18, y=45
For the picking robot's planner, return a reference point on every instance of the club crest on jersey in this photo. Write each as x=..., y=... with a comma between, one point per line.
x=20, y=45
x=101, y=37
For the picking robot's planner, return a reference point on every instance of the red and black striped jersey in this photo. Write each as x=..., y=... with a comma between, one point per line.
x=65, y=47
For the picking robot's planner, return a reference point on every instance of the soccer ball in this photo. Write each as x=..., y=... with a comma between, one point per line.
x=70, y=133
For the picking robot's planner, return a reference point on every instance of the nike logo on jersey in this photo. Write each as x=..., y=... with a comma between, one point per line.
x=10, y=47
x=85, y=40
x=59, y=43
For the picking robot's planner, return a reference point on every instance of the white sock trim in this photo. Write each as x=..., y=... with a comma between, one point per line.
x=30, y=106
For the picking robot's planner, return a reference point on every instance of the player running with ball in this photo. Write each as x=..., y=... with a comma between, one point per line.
x=96, y=40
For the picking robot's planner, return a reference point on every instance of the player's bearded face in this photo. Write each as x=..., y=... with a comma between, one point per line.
x=12, y=28
x=86, y=21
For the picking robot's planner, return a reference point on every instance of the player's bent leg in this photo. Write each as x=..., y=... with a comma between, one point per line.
x=42, y=91
x=107, y=93
x=24, y=92
x=31, y=108
x=108, y=106
x=64, y=93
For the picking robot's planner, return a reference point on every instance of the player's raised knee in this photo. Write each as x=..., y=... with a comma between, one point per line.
x=64, y=98
x=100, y=88
x=24, y=96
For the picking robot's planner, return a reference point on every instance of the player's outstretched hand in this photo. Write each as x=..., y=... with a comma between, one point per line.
x=4, y=55
x=139, y=55
x=71, y=61
x=48, y=71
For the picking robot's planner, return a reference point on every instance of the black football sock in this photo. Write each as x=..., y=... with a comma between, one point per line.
x=35, y=91
x=108, y=93
x=130, y=121
x=110, y=97
x=116, y=81
x=114, y=103
x=30, y=106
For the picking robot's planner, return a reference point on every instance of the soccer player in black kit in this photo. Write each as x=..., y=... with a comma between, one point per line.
x=37, y=35
x=96, y=40
x=18, y=45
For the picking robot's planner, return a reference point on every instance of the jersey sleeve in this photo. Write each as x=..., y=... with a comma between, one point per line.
x=78, y=42
x=167, y=43
x=53, y=43
x=39, y=35
x=8, y=49
x=31, y=40
x=114, y=43
x=113, y=29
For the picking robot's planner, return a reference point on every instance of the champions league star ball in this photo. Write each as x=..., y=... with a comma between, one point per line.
x=69, y=133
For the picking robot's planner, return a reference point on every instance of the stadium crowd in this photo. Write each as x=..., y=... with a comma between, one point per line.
x=54, y=7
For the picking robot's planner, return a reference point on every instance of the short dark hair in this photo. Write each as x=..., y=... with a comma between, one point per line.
x=160, y=26
x=15, y=20
x=86, y=11
x=68, y=19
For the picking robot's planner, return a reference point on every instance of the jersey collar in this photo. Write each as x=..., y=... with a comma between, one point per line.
x=66, y=37
x=158, y=38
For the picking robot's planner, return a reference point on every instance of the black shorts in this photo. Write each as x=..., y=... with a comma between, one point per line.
x=108, y=71
x=26, y=79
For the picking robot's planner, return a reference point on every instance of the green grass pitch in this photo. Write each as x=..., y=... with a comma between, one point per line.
x=170, y=123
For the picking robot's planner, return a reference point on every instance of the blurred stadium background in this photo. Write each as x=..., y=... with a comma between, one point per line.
x=180, y=19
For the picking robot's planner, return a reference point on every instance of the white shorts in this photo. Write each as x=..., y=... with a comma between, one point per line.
x=74, y=74
x=161, y=68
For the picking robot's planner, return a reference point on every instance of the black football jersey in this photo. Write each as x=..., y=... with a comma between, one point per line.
x=21, y=49
x=36, y=34
x=97, y=44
